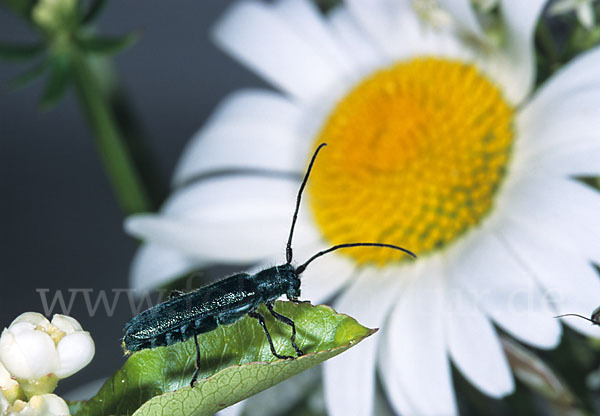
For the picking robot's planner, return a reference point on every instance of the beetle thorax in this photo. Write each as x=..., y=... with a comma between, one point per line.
x=277, y=281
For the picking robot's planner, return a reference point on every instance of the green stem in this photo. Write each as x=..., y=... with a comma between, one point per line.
x=123, y=175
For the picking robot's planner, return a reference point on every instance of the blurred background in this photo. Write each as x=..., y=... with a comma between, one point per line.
x=61, y=225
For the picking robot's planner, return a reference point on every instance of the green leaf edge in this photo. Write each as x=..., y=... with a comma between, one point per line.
x=27, y=77
x=94, y=11
x=170, y=402
x=20, y=52
x=107, y=45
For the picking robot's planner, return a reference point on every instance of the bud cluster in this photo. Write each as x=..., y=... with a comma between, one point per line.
x=34, y=354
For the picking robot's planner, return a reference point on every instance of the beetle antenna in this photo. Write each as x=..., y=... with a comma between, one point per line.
x=579, y=316
x=302, y=267
x=288, y=247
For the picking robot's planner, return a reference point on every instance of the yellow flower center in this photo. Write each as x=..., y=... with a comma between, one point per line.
x=416, y=153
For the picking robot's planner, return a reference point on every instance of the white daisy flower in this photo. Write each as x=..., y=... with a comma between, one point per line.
x=437, y=143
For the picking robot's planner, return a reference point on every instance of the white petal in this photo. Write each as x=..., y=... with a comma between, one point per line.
x=580, y=72
x=463, y=12
x=46, y=405
x=285, y=397
x=474, y=346
x=251, y=129
x=250, y=104
x=575, y=160
x=357, y=45
x=559, y=210
x=224, y=198
x=235, y=410
x=4, y=376
x=325, y=276
x=75, y=351
x=258, y=37
x=6, y=381
x=379, y=19
x=389, y=31
x=154, y=265
x=262, y=145
x=27, y=353
x=414, y=346
x=569, y=280
x=66, y=323
x=34, y=318
x=240, y=240
x=550, y=128
x=505, y=290
x=349, y=378
x=236, y=241
x=520, y=18
x=227, y=219
x=304, y=17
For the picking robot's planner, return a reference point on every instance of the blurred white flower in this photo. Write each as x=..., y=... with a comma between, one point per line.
x=584, y=10
x=33, y=347
x=40, y=405
x=436, y=143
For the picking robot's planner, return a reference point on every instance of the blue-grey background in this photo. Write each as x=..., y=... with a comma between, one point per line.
x=61, y=227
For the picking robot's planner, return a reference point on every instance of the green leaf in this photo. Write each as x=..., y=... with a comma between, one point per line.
x=236, y=362
x=56, y=86
x=107, y=45
x=14, y=52
x=28, y=76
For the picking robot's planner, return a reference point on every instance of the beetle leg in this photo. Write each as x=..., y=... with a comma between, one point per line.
x=288, y=321
x=261, y=320
x=296, y=300
x=175, y=293
x=195, y=377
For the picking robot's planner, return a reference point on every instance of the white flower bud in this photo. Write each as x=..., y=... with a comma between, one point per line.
x=42, y=405
x=26, y=352
x=75, y=351
x=34, y=318
x=6, y=381
x=10, y=390
x=33, y=347
x=66, y=324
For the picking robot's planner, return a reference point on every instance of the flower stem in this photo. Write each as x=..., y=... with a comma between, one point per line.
x=43, y=385
x=123, y=175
